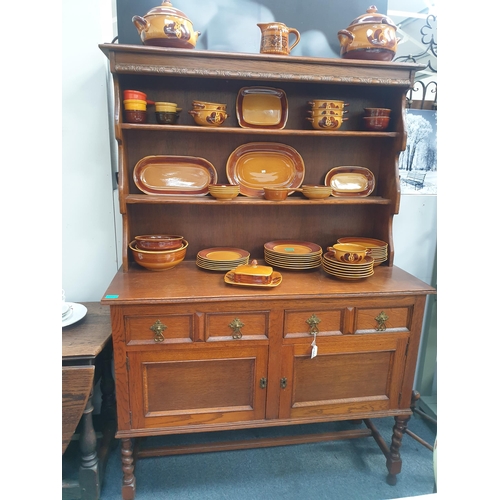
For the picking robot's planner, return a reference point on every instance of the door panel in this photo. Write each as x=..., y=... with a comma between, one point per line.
x=182, y=387
x=348, y=375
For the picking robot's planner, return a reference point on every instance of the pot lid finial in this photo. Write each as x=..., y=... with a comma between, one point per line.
x=373, y=17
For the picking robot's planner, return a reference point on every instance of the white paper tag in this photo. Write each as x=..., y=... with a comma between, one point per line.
x=314, y=351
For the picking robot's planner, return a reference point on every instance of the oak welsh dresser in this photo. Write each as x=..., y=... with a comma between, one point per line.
x=194, y=354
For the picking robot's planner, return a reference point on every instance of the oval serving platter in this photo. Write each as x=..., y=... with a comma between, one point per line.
x=350, y=181
x=256, y=165
x=262, y=107
x=174, y=175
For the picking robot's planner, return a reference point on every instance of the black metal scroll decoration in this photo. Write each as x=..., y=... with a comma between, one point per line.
x=428, y=39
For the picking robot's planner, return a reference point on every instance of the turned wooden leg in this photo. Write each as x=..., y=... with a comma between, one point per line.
x=89, y=474
x=394, y=459
x=128, y=484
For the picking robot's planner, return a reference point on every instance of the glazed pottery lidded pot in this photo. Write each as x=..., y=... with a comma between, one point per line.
x=166, y=26
x=370, y=36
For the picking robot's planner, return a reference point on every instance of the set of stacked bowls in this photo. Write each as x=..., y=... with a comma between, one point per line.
x=209, y=114
x=327, y=114
x=158, y=252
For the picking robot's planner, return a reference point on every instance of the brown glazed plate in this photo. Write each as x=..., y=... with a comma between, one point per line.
x=262, y=107
x=256, y=165
x=292, y=247
x=350, y=181
x=223, y=254
x=174, y=175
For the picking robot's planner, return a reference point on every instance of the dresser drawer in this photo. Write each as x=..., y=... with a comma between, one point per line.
x=300, y=323
x=161, y=328
x=247, y=325
x=383, y=319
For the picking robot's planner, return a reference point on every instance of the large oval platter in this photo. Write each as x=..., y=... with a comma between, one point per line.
x=174, y=175
x=256, y=165
x=350, y=181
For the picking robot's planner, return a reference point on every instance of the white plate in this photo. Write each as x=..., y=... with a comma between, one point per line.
x=64, y=308
x=79, y=312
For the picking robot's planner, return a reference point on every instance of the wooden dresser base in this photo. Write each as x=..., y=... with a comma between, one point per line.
x=133, y=449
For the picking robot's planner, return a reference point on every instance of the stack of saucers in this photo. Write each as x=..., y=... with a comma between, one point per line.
x=378, y=248
x=292, y=254
x=67, y=311
x=347, y=270
x=221, y=258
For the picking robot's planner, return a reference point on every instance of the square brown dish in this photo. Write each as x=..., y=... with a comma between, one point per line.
x=253, y=273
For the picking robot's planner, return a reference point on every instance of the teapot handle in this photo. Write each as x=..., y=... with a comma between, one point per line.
x=347, y=34
x=140, y=23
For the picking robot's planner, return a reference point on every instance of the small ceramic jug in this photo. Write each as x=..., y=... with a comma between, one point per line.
x=274, y=38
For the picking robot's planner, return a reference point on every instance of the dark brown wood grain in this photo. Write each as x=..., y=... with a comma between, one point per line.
x=193, y=353
x=77, y=383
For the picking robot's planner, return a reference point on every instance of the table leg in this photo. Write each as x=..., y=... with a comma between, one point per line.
x=128, y=484
x=394, y=459
x=108, y=404
x=89, y=474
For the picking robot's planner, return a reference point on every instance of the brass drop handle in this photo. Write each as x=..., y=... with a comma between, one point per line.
x=381, y=319
x=236, y=325
x=158, y=328
x=313, y=323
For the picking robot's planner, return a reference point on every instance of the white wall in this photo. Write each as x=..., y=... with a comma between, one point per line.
x=89, y=257
x=415, y=235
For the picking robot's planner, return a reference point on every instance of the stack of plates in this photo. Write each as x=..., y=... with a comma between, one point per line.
x=348, y=270
x=221, y=258
x=72, y=312
x=67, y=311
x=378, y=248
x=292, y=254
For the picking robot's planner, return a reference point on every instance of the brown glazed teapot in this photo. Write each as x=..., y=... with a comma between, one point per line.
x=166, y=26
x=370, y=36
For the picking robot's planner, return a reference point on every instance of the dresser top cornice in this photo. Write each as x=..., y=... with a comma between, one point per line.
x=134, y=59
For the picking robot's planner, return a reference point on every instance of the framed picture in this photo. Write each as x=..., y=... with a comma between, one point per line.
x=418, y=163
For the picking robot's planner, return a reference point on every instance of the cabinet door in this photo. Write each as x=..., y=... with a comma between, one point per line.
x=197, y=385
x=349, y=375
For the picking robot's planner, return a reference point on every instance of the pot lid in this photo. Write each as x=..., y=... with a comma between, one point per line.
x=253, y=269
x=372, y=17
x=166, y=8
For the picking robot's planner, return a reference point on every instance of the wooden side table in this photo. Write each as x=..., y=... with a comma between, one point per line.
x=88, y=343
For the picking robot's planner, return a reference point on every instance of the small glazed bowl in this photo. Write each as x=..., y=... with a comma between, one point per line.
x=377, y=112
x=166, y=106
x=323, y=112
x=316, y=192
x=327, y=104
x=214, y=106
x=349, y=252
x=208, y=118
x=135, y=116
x=154, y=242
x=376, y=122
x=224, y=191
x=326, y=122
x=134, y=94
x=135, y=104
x=166, y=117
x=277, y=193
x=158, y=260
